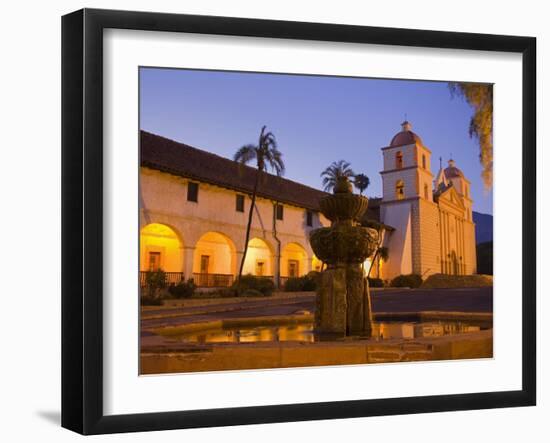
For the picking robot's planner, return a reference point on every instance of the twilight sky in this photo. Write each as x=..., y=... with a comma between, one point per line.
x=316, y=120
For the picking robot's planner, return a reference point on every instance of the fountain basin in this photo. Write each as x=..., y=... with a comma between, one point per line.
x=343, y=244
x=338, y=207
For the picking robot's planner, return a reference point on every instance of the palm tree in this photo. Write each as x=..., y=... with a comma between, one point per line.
x=266, y=154
x=361, y=182
x=335, y=174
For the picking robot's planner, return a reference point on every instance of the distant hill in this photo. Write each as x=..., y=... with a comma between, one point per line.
x=484, y=227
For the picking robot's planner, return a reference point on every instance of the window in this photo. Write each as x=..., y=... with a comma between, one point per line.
x=426, y=192
x=279, y=212
x=400, y=190
x=309, y=218
x=398, y=160
x=239, y=203
x=260, y=266
x=192, y=192
x=154, y=261
x=205, y=264
x=424, y=161
x=293, y=268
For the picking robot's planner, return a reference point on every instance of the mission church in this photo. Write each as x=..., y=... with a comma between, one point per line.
x=194, y=206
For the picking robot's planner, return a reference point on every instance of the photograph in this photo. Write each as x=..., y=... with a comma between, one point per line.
x=300, y=220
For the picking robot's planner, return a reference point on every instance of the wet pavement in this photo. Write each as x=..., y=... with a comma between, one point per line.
x=395, y=301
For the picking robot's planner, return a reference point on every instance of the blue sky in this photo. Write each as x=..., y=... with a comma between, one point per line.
x=316, y=120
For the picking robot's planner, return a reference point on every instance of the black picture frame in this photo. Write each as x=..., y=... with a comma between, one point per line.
x=82, y=218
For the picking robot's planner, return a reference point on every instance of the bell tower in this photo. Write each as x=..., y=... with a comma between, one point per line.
x=406, y=171
x=407, y=202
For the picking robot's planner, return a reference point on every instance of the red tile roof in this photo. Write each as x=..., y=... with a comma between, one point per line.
x=186, y=161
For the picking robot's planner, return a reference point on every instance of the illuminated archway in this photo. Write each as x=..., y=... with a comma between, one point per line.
x=259, y=258
x=160, y=248
x=214, y=260
x=316, y=264
x=294, y=261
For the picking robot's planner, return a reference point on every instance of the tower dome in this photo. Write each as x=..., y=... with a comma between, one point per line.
x=405, y=136
x=452, y=171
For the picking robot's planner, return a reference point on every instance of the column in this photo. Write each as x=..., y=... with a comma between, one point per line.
x=188, y=258
x=309, y=264
x=277, y=269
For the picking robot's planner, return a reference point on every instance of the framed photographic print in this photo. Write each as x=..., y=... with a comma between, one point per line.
x=269, y=221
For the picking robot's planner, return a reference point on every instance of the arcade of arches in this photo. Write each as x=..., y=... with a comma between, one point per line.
x=213, y=260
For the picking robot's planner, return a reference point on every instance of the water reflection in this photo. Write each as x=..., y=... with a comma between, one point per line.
x=305, y=332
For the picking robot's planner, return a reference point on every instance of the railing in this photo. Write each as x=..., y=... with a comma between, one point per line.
x=213, y=280
x=172, y=278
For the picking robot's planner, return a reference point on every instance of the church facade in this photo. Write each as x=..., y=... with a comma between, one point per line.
x=194, y=206
x=432, y=218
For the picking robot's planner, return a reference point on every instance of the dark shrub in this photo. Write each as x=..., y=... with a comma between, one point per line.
x=376, y=282
x=183, y=289
x=485, y=258
x=261, y=284
x=154, y=282
x=304, y=283
x=457, y=281
x=150, y=301
x=407, y=281
x=252, y=293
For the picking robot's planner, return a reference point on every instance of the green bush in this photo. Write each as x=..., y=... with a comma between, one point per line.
x=407, y=281
x=183, y=289
x=376, y=282
x=263, y=285
x=304, y=283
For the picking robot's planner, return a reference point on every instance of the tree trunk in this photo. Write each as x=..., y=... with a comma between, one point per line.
x=249, y=224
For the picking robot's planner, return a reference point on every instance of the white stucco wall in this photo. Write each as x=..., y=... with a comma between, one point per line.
x=399, y=242
x=163, y=199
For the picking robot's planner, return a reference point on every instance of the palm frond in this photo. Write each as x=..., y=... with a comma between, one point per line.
x=276, y=162
x=245, y=154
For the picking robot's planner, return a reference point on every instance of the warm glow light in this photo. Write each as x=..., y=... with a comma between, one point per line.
x=214, y=254
x=316, y=264
x=161, y=243
x=367, y=265
x=259, y=258
x=293, y=254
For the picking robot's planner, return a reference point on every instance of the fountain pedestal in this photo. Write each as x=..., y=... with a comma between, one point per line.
x=343, y=299
x=343, y=302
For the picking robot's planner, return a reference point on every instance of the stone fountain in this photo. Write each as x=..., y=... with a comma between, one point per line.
x=343, y=299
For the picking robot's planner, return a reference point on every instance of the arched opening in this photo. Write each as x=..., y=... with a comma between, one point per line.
x=424, y=161
x=259, y=259
x=400, y=190
x=398, y=160
x=316, y=264
x=426, y=191
x=293, y=261
x=214, y=260
x=160, y=248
